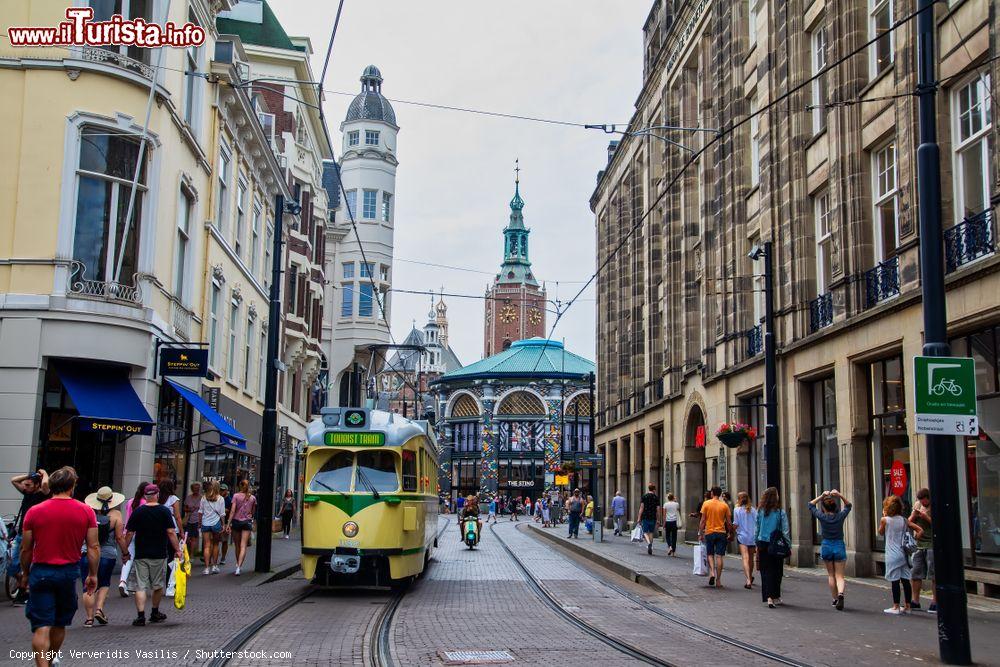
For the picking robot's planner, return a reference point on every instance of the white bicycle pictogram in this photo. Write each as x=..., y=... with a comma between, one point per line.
x=948, y=385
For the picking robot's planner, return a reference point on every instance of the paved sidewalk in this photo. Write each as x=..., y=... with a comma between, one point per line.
x=218, y=607
x=806, y=615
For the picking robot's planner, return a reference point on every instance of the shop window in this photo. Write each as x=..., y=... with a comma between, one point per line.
x=888, y=443
x=825, y=456
x=409, y=470
x=173, y=435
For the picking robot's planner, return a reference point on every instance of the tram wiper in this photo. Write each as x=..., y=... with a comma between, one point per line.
x=363, y=478
x=327, y=486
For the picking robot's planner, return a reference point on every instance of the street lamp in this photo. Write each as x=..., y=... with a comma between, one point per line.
x=648, y=132
x=757, y=253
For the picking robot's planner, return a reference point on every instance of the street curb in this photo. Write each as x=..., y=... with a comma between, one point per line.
x=278, y=573
x=648, y=580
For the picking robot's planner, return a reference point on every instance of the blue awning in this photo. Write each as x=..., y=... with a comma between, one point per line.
x=228, y=435
x=105, y=399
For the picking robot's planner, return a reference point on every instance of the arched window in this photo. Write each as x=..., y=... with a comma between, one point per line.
x=521, y=403
x=465, y=406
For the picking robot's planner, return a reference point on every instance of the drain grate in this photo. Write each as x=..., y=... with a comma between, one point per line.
x=476, y=657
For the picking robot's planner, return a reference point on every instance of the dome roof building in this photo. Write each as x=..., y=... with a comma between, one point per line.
x=370, y=104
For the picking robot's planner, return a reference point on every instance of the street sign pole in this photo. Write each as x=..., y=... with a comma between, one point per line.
x=942, y=459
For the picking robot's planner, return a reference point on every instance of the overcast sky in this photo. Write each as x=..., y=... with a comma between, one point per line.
x=574, y=60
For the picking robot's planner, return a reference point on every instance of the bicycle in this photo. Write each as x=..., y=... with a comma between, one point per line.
x=950, y=386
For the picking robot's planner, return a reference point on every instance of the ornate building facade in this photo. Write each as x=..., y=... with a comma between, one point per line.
x=515, y=303
x=825, y=172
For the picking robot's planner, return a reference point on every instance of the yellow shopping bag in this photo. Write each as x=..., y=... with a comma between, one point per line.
x=181, y=571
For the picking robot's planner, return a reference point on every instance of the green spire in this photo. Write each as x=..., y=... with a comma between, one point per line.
x=516, y=266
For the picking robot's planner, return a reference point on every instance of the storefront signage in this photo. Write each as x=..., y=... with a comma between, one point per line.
x=590, y=460
x=897, y=479
x=354, y=438
x=945, y=395
x=183, y=361
x=699, y=436
x=113, y=426
x=562, y=480
x=521, y=482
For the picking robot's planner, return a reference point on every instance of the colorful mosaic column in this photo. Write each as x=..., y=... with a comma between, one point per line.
x=553, y=440
x=444, y=460
x=488, y=481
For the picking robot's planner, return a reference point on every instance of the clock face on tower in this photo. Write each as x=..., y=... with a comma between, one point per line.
x=534, y=315
x=508, y=314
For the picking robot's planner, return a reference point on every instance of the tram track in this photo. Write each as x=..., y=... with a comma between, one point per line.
x=535, y=584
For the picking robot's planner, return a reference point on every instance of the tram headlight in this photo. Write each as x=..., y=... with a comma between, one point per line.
x=350, y=529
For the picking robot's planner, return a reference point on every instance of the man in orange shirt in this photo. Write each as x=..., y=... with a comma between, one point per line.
x=715, y=529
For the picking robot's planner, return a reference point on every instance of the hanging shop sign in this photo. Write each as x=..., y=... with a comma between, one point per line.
x=100, y=425
x=183, y=361
x=945, y=395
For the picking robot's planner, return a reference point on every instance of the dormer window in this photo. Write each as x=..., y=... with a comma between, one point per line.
x=371, y=137
x=353, y=138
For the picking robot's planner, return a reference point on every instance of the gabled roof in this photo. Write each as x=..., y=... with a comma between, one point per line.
x=534, y=357
x=269, y=32
x=406, y=360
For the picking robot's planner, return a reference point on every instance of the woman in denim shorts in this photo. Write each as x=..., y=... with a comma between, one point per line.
x=826, y=508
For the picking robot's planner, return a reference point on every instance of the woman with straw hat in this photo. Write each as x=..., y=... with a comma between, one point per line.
x=109, y=528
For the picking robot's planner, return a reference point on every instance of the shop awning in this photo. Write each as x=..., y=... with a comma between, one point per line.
x=105, y=400
x=228, y=435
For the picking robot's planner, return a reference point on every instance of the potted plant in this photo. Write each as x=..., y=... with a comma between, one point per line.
x=734, y=434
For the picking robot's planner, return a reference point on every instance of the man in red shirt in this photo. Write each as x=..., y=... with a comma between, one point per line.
x=50, y=562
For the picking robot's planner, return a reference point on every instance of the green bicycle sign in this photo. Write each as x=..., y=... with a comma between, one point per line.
x=945, y=395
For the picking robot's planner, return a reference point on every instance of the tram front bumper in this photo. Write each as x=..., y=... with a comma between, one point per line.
x=345, y=564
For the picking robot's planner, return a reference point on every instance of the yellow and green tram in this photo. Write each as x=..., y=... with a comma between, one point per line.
x=370, y=501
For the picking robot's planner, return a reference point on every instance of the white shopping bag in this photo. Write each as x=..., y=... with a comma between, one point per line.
x=172, y=580
x=637, y=533
x=700, y=561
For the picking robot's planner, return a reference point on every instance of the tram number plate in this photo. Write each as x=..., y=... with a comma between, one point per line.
x=354, y=438
x=350, y=543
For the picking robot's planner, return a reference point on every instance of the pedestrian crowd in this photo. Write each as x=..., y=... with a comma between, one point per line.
x=763, y=540
x=59, y=541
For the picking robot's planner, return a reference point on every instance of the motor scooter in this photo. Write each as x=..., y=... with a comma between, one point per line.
x=470, y=531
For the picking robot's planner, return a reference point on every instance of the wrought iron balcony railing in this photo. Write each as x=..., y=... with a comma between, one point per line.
x=821, y=312
x=969, y=240
x=755, y=340
x=101, y=55
x=109, y=290
x=882, y=282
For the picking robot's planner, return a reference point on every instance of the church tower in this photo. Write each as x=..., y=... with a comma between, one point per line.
x=515, y=303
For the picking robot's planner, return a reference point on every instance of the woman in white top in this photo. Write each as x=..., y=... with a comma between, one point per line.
x=671, y=520
x=213, y=513
x=745, y=521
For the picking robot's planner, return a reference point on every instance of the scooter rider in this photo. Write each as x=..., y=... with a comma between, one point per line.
x=471, y=509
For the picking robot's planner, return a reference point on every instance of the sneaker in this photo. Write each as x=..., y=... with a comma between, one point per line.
x=139, y=620
x=122, y=591
x=932, y=609
x=207, y=570
x=237, y=572
x=839, y=602
x=649, y=549
x=834, y=603
x=215, y=569
x=222, y=561
x=157, y=616
x=914, y=604
x=893, y=611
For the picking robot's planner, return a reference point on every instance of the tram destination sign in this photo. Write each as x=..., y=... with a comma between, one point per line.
x=354, y=438
x=945, y=395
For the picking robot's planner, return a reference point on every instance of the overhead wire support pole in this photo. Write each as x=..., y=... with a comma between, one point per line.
x=942, y=459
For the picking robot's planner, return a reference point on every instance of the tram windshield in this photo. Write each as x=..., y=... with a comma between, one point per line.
x=375, y=473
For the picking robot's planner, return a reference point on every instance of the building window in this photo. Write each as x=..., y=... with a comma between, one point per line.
x=879, y=25
x=386, y=207
x=262, y=367
x=353, y=138
x=234, y=334
x=819, y=84
x=248, y=341
x=754, y=143
x=241, y=205
x=268, y=241
x=213, y=324
x=255, y=240
x=757, y=284
x=222, y=206
x=348, y=269
x=371, y=137
x=347, y=302
x=301, y=133
x=352, y=204
x=104, y=241
x=888, y=442
x=365, y=299
x=824, y=242
x=130, y=10
x=384, y=273
x=293, y=289
x=825, y=455
x=369, y=204
x=752, y=22
x=367, y=270
x=191, y=79
x=184, y=213
x=971, y=109
x=886, y=214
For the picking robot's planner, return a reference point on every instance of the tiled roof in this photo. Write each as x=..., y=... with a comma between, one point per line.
x=330, y=184
x=268, y=32
x=534, y=357
x=370, y=105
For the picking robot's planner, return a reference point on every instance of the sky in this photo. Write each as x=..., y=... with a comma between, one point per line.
x=569, y=60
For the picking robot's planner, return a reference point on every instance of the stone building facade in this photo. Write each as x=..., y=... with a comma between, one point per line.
x=824, y=170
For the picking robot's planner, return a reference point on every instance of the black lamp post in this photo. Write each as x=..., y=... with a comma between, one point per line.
x=771, y=450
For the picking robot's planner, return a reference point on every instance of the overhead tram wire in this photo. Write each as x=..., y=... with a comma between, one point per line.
x=724, y=132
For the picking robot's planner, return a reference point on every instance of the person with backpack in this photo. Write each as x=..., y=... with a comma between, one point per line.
x=899, y=545
x=105, y=503
x=575, y=508
x=773, y=545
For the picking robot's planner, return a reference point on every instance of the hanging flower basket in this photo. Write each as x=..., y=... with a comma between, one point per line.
x=735, y=434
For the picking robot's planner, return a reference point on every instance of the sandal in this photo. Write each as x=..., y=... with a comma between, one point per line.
x=89, y=623
x=101, y=618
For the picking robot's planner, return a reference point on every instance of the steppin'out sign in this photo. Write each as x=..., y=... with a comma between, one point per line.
x=183, y=361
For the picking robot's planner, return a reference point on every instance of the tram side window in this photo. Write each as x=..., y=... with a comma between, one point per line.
x=409, y=470
x=335, y=475
x=379, y=470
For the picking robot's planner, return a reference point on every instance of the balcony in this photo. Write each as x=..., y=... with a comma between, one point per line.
x=821, y=312
x=969, y=240
x=755, y=341
x=107, y=290
x=882, y=282
x=111, y=55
